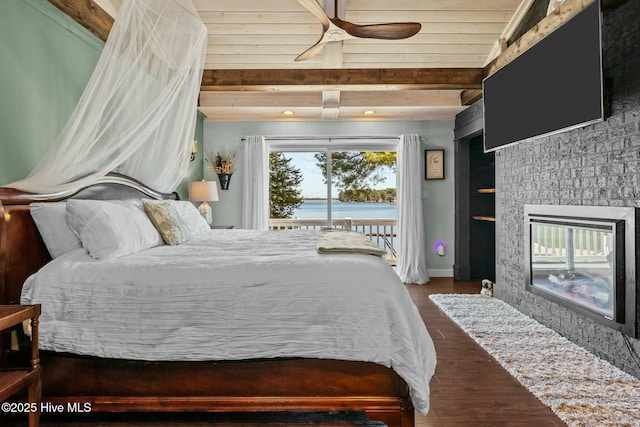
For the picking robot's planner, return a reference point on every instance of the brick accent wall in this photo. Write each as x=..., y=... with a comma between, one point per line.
x=594, y=165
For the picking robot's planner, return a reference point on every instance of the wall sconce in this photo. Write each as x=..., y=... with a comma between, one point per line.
x=204, y=191
x=194, y=150
x=223, y=165
x=440, y=247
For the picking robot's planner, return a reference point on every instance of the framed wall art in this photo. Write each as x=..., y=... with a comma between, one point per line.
x=433, y=164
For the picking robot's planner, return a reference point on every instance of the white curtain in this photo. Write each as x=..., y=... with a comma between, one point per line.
x=255, y=184
x=137, y=114
x=411, y=265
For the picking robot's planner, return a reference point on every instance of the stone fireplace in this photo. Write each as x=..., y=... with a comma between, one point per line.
x=584, y=258
x=597, y=165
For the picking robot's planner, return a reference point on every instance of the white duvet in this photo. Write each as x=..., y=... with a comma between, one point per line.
x=234, y=295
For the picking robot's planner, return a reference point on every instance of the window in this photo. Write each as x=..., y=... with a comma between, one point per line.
x=351, y=191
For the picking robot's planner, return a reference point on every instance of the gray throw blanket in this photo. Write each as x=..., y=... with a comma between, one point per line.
x=346, y=241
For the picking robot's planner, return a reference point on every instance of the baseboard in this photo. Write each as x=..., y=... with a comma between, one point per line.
x=440, y=272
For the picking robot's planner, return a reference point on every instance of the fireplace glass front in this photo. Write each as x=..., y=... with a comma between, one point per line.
x=584, y=258
x=576, y=263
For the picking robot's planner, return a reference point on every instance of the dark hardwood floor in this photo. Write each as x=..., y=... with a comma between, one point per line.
x=469, y=388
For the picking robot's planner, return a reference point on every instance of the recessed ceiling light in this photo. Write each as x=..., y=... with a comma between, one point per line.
x=288, y=113
x=368, y=112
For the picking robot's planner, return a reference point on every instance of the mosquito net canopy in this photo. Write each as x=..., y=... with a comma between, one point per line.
x=137, y=114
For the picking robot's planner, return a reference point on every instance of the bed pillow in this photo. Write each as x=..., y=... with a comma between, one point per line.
x=167, y=221
x=111, y=229
x=190, y=215
x=51, y=220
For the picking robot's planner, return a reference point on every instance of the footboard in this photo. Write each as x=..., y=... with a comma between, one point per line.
x=312, y=385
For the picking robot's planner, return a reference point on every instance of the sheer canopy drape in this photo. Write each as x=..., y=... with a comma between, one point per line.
x=255, y=184
x=137, y=114
x=411, y=267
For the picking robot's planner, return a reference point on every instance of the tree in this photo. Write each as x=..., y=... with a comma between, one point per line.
x=284, y=181
x=382, y=158
x=354, y=170
x=368, y=195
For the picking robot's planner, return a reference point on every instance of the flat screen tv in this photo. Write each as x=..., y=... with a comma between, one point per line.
x=555, y=85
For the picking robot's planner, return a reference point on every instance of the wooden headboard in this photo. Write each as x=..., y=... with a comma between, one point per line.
x=22, y=251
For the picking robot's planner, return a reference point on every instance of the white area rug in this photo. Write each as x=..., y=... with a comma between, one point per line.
x=582, y=389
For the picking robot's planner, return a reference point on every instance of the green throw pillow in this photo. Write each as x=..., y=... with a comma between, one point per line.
x=167, y=221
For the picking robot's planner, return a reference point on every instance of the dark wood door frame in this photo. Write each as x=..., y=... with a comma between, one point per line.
x=468, y=125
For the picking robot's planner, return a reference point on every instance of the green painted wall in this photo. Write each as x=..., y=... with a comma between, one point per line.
x=437, y=196
x=47, y=59
x=195, y=168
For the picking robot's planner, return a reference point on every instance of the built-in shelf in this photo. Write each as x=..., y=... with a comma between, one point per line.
x=475, y=206
x=484, y=218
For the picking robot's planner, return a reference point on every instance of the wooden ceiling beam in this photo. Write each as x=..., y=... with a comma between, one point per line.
x=469, y=96
x=367, y=100
x=88, y=14
x=343, y=79
x=408, y=99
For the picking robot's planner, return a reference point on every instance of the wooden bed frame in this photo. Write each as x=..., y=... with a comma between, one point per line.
x=112, y=385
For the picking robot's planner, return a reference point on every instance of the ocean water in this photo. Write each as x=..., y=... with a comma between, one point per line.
x=318, y=209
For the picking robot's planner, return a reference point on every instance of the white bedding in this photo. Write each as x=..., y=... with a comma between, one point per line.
x=234, y=295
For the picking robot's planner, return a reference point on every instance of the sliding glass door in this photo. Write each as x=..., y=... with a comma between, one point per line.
x=353, y=190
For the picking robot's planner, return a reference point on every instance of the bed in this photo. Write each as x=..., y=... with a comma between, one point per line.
x=239, y=335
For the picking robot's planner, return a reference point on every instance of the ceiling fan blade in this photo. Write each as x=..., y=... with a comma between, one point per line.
x=335, y=29
x=390, y=31
x=311, y=52
x=313, y=7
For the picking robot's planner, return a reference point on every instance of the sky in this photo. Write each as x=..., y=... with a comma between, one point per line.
x=313, y=185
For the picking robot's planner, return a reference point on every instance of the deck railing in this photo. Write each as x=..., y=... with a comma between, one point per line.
x=381, y=231
x=554, y=242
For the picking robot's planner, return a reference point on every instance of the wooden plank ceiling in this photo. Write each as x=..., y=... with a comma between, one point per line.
x=251, y=74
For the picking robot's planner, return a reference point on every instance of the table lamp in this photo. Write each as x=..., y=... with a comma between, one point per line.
x=204, y=191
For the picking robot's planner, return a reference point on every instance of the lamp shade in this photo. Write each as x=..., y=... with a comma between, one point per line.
x=203, y=191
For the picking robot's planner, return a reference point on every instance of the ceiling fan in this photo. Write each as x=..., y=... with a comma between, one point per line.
x=335, y=29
